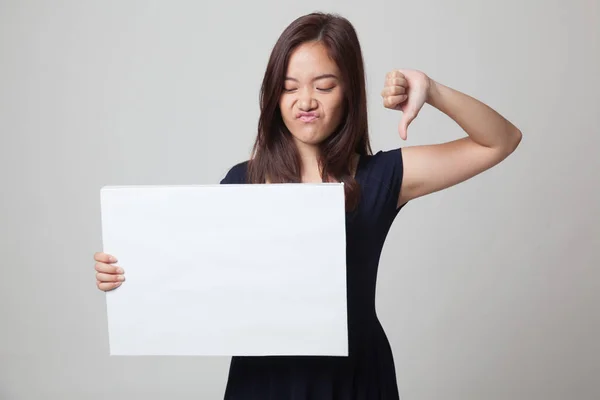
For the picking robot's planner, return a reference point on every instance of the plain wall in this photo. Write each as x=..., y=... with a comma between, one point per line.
x=488, y=290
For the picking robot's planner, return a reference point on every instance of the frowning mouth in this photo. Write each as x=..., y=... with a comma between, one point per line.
x=307, y=116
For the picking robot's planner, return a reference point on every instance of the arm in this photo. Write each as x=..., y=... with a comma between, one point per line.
x=430, y=168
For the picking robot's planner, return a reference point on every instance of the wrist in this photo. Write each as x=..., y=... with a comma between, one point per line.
x=433, y=93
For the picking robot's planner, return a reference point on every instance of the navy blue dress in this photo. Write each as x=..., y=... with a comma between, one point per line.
x=368, y=373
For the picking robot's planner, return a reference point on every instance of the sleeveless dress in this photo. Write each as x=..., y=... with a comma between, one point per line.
x=368, y=373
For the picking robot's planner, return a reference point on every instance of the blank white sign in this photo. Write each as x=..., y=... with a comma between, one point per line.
x=227, y=269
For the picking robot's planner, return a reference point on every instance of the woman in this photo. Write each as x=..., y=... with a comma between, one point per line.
x=313, y=128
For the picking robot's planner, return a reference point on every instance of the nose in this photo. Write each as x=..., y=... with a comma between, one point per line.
x=306, y=101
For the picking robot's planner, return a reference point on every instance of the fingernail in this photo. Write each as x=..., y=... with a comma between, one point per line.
x=112, y=259
x=120, y=270
x=121, y=278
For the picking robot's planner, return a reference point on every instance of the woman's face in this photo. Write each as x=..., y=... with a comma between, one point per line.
x=312, y=101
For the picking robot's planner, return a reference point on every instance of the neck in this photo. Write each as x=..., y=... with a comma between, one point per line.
x=309, y=159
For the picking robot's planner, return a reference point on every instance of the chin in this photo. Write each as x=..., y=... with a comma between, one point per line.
x=311, y=140
x=309, y=136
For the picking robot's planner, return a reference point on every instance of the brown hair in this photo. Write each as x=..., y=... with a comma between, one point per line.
x=274, y=153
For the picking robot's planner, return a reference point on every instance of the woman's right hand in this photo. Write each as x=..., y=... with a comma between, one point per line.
x=108, y=276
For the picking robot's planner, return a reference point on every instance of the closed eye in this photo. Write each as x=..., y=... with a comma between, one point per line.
x=319, y=89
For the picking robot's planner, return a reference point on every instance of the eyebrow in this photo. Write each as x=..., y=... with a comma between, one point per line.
x=324, y=76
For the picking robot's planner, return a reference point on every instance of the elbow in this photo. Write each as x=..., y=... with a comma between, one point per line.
x=509, y=144
x=513, y=140
x=517, y=136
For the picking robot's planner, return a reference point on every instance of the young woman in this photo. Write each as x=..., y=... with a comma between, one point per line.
x=313, y=128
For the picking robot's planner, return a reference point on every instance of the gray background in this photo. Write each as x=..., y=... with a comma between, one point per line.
x=488, y=290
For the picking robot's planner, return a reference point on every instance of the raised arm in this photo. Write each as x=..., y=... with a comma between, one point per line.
x=430, y=168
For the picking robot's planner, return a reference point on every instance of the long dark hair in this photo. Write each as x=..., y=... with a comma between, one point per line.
x=275, y=155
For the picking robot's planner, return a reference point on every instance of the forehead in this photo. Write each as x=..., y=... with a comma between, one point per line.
x=309, y=60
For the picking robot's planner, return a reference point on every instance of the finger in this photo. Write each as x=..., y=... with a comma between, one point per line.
x=102, y=277
x=393, y=101
x=107, y=285
x=407, y=118
x=396, y=82
x=108, y=269
x=402, y=130
x=393, y=91
x=396, y=74
x=105, y=258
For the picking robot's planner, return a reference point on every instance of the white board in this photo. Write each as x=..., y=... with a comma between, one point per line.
x=227, y=269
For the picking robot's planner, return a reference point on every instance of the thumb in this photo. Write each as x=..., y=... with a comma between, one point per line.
x=407, y=118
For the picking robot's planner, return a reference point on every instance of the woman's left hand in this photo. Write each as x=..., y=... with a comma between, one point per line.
x=407, y=91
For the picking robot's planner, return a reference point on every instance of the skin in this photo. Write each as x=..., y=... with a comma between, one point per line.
x=427, y=168
x=431, y=168
x=312, y=85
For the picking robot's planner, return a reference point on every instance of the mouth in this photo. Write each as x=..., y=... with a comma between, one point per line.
x=307, y=117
